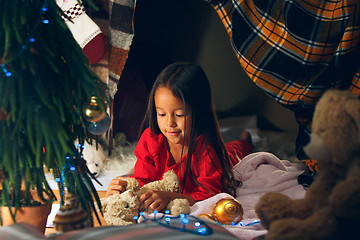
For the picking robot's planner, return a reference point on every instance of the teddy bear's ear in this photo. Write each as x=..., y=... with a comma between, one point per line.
x=170, y=181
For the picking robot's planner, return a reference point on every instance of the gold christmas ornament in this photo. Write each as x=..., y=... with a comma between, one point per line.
x=227, y=211
x=93, y=111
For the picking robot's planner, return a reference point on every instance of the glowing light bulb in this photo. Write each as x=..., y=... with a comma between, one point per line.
x=202, y=230
x=185, y=220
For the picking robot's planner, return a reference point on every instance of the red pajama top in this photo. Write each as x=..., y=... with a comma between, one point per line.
x=154, y=159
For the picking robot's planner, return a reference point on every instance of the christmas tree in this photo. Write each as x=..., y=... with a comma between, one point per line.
x=45, y=81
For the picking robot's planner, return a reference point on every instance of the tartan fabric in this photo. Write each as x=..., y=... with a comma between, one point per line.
x=295, y=50
x=121, y=35
x=311, y=164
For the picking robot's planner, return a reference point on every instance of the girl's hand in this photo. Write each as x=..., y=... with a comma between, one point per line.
x=156, y=200
x=117, y=185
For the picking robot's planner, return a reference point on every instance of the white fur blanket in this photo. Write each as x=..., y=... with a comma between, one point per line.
x=259, y=172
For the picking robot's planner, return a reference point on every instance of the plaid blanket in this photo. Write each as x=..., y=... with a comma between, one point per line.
x=295, y=50
x=121, y=33
x=121, y=14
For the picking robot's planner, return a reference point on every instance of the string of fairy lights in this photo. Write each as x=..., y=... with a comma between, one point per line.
x=183, y=222
x=187, y=223
x=41, y=19
x=60, y=180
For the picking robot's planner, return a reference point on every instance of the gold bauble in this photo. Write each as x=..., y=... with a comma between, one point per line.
x=227, y=211
x=93, y=111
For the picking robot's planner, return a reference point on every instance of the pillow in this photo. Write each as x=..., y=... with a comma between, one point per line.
x=147, y=230
x=21, y=231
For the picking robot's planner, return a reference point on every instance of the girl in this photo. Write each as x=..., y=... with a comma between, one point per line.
x=182, y=134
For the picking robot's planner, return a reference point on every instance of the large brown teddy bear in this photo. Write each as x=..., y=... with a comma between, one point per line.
x=331, y=206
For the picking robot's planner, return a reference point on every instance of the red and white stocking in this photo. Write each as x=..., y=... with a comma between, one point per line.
x=84, y=30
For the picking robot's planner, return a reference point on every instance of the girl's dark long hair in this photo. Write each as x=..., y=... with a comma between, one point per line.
x=188, y=82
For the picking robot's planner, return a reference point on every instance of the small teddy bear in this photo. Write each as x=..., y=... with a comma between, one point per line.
x=119, y=209
x=331, y=206
x=94, y=157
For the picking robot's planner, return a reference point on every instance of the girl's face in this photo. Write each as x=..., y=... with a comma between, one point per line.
x=171, y=117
